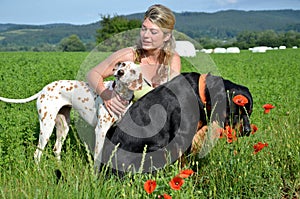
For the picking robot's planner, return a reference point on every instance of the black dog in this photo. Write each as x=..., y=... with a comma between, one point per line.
x=160, y=126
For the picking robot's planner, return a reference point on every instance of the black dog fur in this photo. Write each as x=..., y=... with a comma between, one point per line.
x=179, y=108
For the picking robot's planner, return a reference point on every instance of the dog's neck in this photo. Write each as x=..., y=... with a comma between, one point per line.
x=123, y=91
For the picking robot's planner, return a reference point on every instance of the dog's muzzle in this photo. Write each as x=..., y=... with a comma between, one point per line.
x=119, y=73
x=246, y=126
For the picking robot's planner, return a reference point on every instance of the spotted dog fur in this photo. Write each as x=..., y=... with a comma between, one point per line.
x=55, y=100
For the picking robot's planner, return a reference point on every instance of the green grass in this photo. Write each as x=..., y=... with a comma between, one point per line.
x=228, y=171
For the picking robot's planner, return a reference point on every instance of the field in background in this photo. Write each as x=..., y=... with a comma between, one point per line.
x=228, y=171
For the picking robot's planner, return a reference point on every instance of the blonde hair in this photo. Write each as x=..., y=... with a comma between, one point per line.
x=164, y=18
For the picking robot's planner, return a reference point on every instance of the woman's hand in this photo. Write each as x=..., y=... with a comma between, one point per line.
x=113, y=102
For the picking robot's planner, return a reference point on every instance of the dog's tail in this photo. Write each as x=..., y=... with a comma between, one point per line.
x=8, y=100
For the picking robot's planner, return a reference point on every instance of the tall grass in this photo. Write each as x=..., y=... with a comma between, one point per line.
x=228, y=171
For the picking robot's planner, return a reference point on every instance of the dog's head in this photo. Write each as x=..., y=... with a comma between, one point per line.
x=237, y=115
x=129, y=75
x=239, y=110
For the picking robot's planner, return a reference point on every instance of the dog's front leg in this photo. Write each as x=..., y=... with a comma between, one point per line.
x=105, y=121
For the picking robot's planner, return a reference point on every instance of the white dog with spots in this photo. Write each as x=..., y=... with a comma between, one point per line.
x=55, y=100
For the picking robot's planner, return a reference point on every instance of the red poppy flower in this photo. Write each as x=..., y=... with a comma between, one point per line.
x=254, y=128
x=150, y=186
x=185, y=173
x=259, y=146
x=231, y=137
x=230, y=134
x=268, y=107
x=240, y=100
x=176, y=183
x=166, y=196
x=228, y=129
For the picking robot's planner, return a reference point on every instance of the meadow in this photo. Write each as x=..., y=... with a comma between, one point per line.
x=228, y=171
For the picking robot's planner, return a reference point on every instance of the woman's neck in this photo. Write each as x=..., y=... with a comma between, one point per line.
x=152, y=56
x=152, y=53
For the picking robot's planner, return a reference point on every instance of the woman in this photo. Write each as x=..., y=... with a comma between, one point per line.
x=155, y=52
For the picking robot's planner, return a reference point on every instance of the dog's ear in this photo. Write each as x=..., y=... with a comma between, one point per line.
x=136, y=84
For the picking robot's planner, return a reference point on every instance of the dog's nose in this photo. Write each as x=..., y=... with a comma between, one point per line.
x=120, y=73
x=247, y=130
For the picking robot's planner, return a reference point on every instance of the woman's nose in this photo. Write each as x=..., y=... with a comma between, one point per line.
x=146, y=33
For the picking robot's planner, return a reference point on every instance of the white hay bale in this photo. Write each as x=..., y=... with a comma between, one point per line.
x=259, y=49
x=233, y=50
x=282, y=47
x=220, y=50
x=185, y=49
x=207, y=51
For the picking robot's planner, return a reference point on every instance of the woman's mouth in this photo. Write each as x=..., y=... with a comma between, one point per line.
x=146, y=43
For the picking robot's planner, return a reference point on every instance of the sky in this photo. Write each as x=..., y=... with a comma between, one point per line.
x=41, y=12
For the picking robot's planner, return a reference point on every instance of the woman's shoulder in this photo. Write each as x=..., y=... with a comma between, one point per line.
x=176, y=55
x=176, y=63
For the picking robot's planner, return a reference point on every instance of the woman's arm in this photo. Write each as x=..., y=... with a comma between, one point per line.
x=104, y=69
x=97, y=75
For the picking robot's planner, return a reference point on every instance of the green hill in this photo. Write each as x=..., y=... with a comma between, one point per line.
x=226, y=24
x=219, y=25
x=27, y=36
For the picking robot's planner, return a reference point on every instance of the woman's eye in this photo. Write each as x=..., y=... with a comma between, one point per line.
x=154, y=32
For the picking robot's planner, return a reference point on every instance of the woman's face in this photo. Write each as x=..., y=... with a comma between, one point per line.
x=152, y=37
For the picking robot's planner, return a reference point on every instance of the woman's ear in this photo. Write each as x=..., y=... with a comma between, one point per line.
x=167, y=37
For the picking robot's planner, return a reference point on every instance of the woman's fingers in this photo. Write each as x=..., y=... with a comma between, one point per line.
x=115, y=104
x=117, y=107
x=124, y=102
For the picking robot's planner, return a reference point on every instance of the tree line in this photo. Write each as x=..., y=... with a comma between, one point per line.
x=249, y=39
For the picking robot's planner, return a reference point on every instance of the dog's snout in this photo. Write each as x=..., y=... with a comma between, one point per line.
x=246, y=125
x=120, y=73
x=247, y=130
